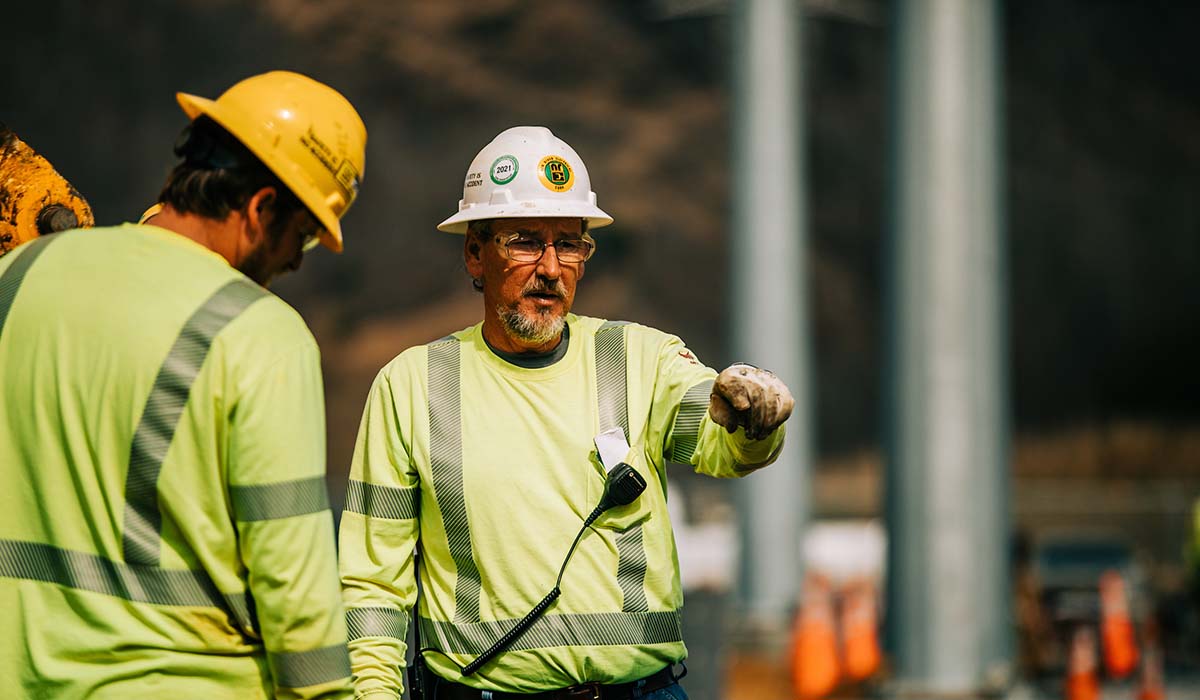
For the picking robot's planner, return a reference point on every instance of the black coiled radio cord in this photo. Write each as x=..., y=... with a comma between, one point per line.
x=623, y=487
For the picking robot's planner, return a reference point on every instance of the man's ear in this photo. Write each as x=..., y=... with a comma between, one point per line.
x=473, y=256
x=259, y=211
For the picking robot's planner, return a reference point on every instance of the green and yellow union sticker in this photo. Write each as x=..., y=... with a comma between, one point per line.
x=555, y=173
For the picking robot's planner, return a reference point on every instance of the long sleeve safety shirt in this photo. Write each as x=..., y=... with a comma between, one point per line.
x=490, y=468
x=164, y=522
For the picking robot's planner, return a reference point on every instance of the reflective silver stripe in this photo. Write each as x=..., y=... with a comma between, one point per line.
x=377, y=501
x=611, y=397
x=376, y=622
x=631, y=569
x=686, y=431
x=14, y=275
x=612, y=406
x=88, y=572
x=574, y=630
x=164, y=406
x=301, y=669
x=445, y=461
x=279, y=500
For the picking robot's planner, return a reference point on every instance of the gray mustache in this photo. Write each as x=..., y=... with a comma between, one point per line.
x=539, y=287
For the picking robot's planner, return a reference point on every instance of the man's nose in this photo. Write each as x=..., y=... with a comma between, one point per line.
x=548, y=265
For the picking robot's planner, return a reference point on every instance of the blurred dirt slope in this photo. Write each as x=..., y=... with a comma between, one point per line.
x=1102, y=105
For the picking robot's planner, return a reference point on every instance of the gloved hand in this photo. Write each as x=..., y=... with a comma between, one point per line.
x=750, y=397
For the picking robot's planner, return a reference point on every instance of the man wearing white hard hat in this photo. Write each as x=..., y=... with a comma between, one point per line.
x=524, y=458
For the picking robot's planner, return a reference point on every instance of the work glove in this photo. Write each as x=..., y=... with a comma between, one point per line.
x=755, y=399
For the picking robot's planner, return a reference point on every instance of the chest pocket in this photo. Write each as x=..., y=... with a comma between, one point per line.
x=627, y=516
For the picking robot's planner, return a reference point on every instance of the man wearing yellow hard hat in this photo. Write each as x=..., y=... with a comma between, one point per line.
x=164, y=525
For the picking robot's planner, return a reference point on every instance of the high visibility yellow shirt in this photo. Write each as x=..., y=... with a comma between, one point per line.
x=164, y=522
x=491, y=469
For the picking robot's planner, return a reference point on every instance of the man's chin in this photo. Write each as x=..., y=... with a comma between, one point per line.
x=540, y=325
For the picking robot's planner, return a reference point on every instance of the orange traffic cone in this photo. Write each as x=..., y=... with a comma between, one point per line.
x=1151, y=686
x=1116, y=628
x=860, y=631
x=1081, y=666
x=814, y=642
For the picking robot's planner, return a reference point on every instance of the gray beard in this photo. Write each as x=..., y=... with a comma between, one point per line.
x=534, y=329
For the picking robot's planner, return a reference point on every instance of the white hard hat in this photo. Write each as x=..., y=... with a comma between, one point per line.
x=526, y=171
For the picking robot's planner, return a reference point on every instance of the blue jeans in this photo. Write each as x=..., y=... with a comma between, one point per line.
x=671, y=692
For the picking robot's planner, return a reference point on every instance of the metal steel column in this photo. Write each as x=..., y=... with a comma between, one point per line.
x=948, y=485
x=768, y=312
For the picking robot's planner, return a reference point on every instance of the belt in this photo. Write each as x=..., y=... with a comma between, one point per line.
x=584, y=691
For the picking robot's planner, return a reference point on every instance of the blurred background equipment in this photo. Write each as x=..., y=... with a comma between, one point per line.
x=1074, y=573
x=34, y=198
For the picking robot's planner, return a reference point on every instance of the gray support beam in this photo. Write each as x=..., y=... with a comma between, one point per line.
x=948, y=481
x=769, y=310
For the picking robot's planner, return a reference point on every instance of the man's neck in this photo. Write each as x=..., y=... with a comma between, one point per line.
x=207, y=232
x=535, y=360
x=499, y=339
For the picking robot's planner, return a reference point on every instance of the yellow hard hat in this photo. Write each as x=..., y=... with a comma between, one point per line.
x=303, y=131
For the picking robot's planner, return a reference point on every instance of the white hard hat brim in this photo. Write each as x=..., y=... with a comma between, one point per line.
x=528, y=209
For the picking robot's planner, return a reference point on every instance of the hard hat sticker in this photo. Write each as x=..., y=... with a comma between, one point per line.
x=344, y=173
x=320, y=150
x=347, y=176
x=504, y=169
x=555, y=173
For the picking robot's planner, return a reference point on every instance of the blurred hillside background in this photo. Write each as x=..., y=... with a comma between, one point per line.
x=1102, y=216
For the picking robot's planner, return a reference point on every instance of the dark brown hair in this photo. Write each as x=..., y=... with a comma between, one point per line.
x=218, y=175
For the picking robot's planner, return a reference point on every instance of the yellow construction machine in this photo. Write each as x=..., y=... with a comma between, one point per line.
x=34, y=198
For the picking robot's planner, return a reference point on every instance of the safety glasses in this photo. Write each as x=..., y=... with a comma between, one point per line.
x=520, y=247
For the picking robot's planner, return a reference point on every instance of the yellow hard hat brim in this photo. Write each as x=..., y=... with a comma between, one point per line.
x=194, y=106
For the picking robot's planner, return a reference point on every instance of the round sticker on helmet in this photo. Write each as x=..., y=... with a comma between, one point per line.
x=555, y=173
x=504, y=169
